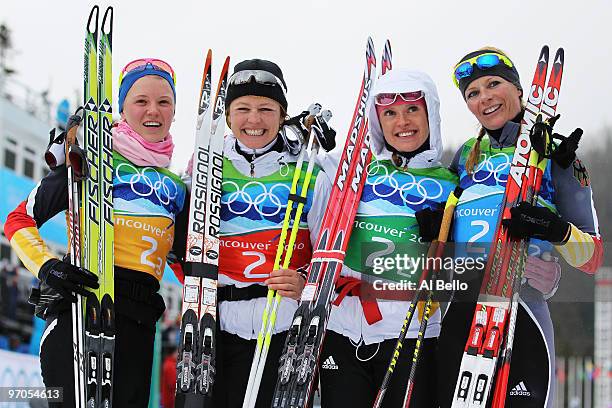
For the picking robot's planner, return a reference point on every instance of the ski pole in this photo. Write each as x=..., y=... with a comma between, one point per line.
x=436, y=249
x=273, y=298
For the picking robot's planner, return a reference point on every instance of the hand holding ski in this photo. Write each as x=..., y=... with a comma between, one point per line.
x=495, y=315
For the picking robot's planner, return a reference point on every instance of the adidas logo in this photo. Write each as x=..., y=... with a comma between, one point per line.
x=329, y=364
x=520, y=390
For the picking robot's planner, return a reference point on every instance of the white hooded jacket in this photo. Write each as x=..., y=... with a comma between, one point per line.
x=348, y=318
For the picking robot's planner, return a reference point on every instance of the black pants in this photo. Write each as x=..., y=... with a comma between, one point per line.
x=348, y=382
x=234, y=358
x=132, y=367
x=529, y=368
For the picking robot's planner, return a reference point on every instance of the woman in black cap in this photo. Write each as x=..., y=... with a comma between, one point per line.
x=258, y=169
x=564, y=218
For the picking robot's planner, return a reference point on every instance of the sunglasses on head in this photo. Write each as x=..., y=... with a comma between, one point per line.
x=386, y=99
x=261, y=77
x=143, y=63
x=483, y=61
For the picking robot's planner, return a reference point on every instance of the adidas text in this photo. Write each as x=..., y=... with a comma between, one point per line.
x=329, y=364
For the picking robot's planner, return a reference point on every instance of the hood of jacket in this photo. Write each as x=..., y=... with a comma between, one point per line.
x=399, y=81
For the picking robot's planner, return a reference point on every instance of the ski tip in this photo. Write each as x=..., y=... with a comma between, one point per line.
x=560, y=56
x=225, y=66
x=208, y=62
x=544, y=53
x=207, y=66
x=386, y=58
x=370, y=56
x=370, y=48
x=93, y=18
x=388, y=48
x=107, y=21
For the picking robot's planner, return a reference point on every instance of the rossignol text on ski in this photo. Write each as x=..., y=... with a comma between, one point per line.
x=195, y=370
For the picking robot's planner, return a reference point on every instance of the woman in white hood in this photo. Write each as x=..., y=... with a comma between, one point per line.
x=404, y=178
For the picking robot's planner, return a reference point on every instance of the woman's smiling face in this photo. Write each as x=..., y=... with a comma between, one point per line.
x=493, y=101
x=405, y=126
x=255, y=120
x=149, y=108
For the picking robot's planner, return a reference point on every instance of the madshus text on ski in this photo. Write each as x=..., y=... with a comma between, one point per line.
x=284, y=245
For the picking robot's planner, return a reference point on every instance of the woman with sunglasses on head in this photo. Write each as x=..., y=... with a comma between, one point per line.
x=405, y=183
x=564, y=218
x=259, y=163
x=147, y=200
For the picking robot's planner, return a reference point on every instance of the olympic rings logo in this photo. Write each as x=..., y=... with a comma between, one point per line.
x=255, y=194
x=488, y=166
x=150, y=181
x=378, y=175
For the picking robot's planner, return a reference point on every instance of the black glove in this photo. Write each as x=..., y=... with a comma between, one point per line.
x=565, y=154
x=429, y=221
x=298, y=121
x=538, y=135
x=529, y=221
x=325, y=134
x=67, y=279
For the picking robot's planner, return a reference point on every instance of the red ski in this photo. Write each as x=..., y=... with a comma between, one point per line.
x=495, y=314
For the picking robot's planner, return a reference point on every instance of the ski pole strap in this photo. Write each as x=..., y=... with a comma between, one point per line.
x=232, y=293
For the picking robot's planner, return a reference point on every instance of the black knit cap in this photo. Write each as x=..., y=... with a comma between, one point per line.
x=274, y=92
x=501, y=70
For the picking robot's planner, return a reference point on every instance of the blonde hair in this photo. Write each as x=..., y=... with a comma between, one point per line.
x=474, y=155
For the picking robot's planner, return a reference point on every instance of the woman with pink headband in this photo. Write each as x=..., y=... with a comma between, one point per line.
x=148, y=198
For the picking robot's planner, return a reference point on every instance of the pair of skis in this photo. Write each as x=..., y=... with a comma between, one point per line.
x=305, y=337
x=492, y=331
x=195, y=370
x=291, y=221
x=90, y=219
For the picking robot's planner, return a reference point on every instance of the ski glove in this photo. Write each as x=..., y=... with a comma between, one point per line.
x=429, y=221
x=565, y=153
x=529, y=221
x=325, y=134
x=67, y=279
x=543, y=275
